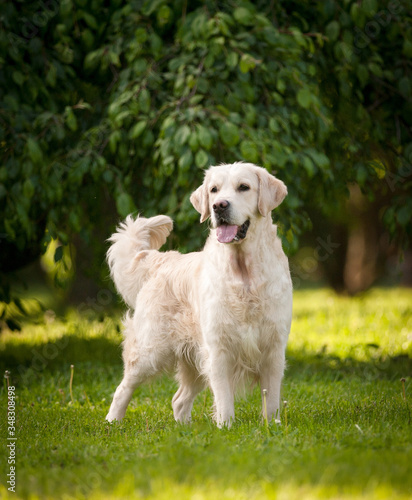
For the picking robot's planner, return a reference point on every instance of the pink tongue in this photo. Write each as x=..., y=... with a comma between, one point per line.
x=226, y=234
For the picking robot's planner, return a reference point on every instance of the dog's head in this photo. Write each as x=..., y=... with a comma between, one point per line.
x=234, y=196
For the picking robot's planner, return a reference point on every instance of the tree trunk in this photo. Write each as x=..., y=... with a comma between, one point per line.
x=361, y=266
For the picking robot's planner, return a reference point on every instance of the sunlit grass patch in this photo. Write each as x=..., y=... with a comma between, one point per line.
x=379, y=321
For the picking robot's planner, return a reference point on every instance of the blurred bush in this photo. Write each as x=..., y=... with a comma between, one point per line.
x=115, y=107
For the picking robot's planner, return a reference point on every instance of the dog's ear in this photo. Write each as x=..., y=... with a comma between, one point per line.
x=200, y=200
x=272, y=192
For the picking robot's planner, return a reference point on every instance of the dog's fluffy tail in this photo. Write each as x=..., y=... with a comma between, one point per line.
x=130, y=245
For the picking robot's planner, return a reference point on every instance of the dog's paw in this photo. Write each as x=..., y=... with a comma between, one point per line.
x=112, y=418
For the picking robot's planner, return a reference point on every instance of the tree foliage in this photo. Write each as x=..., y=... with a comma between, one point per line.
x=128, y=101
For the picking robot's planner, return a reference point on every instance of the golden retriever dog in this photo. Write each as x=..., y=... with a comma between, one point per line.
x=220, y=317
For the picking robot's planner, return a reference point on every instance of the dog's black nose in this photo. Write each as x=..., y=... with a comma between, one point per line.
x=221, y=206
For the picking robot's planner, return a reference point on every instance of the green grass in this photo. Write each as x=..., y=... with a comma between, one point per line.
x=348, y=432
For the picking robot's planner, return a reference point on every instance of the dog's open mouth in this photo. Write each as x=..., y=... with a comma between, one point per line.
x=227, y=234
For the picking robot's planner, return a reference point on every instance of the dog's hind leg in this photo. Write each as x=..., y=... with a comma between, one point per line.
x=191, y=383
x=141, y=361
x=146, y=366
x=135, y=373
x=123, y=395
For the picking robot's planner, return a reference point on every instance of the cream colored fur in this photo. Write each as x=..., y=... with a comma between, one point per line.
x=218, y=317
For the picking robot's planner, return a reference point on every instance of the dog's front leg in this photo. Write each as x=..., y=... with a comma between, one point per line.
x=222, y=386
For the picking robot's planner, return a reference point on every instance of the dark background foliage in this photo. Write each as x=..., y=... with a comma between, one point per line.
x=109, y=108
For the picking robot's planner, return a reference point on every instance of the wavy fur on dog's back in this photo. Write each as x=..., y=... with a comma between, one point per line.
x=131, y=243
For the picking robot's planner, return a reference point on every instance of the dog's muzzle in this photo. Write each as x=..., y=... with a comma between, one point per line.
x=227, y=233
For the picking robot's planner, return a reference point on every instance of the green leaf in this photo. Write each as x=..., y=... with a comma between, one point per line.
x=309, y=166
x=28, y=189
x=229, y=133
x=141, y=35
x=18, y=78
x=108, y=176
x=75, y=221
x=164, y=15
x=124, y=204
x=182, y=135
x=271, y=35
x=156, y=44
x=144, y=101
x=93, y=59
x=114, y=58
x=148, y=139
x=205, y=137
x=274, y=125
x=90, y=20
x=370, y=7
x=375, y=69
x=151, y=6
x=120, y=118
x=332, y=30
x=35, y=152
x=363, y=74
x=247, y=62
x=404, y=215
x=304, y=97
x=194, y=141
x=249, y=151
x=320, y=159
x=137, y=129
x=51, y=76
x=232, y=59
x=244, y=16
x=87, y=38
x=201, y=158
x=280, y=85
x=357, y=15
x=71, y=120
x=186, y=161
x=251, y=115
x=114, y=138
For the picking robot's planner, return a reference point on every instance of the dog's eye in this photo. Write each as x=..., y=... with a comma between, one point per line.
x=244, y=187
x=214, y=189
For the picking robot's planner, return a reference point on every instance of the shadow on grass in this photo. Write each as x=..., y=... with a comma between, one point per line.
x=73, y=349
x=51, y=356
x=309, y=365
